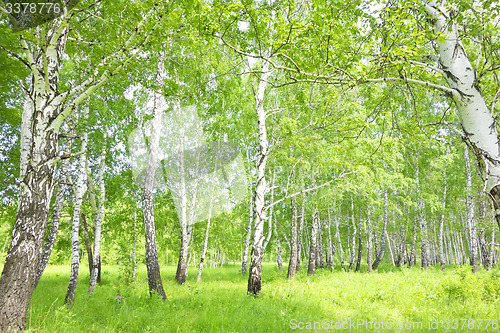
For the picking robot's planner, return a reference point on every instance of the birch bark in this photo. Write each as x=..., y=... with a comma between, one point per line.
x=81, y=187
x=152, y=264
x=301, y=228
x=292, y=266
x=383, y=236
x=311, y=268
x=442, y=258
x=478, y=123
x=255, y=276
x=470, y=214
x=95, y=277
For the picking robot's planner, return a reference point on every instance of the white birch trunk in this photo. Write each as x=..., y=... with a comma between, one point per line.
x=470, y=214
x=442, y=258
x=311, y=267
x=81, y=187
x=134, y=247
x=301, y=228
x=152, y=264
x=478, y=122
x=369, y=247
x=96, y=262
x=383, y=236
x=255, y=276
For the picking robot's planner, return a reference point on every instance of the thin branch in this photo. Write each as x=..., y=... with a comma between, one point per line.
x=15, y=55
x=422, y=83
x=308, y=190
x=433, y=68
x=494, y=101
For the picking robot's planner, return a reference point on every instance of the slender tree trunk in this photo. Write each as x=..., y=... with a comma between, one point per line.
x=311, y=268
x=80, y=189
x=292, y=266
x=319, y=246
x=424, y=238
x=134, y=247
x=492, y=253
x=153, y=267
x=255, y=276
x=442, y=258
x=331, y=251
x=95, y=277
x=484, y=249
x=301, y=227
x=360, y=242
x=353, y=246
x=279, y=259
x=413, y=257
x=87, y=241
x=205, y=242
x=471, y=218
x=341, y=250
x=383, y=236
x=369, y=247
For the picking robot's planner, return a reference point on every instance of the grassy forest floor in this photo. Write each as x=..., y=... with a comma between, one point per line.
x=399, y=297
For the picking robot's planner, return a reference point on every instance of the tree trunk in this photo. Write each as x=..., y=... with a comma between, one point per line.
x=87, y=241
x=153, y=267
x=301, y=227
x=38, y=163
x=424, y=252
x=471, y=218
x=205, y=242
x=353, y=246
x=413, y=257
x=442, y=258
x=95, y=277
x=81, y=186
x=492, y=253
x=292, y=266
x=484, y=249
x=255, y=276
x=279, y=259
x=134, y=247
x=312, y=246
x=331, y=252
x=477, y=120
x=319, y=247
x=360, y=242
x=341, y=250
x=369, y=242
x=383, y=236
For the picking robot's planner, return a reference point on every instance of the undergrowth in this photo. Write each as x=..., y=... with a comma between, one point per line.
x=220, y=303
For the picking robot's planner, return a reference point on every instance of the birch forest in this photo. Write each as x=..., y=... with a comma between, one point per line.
x=249, y=166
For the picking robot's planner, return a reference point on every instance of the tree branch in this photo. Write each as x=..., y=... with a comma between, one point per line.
x=342, y=175
x=422, y=83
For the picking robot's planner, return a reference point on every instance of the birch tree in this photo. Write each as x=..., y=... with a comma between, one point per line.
x=153, y=267
x=95, y=276
x=43, y=56
x=80, y=189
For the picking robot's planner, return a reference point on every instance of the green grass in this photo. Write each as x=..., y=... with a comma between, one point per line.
x=220, y=304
